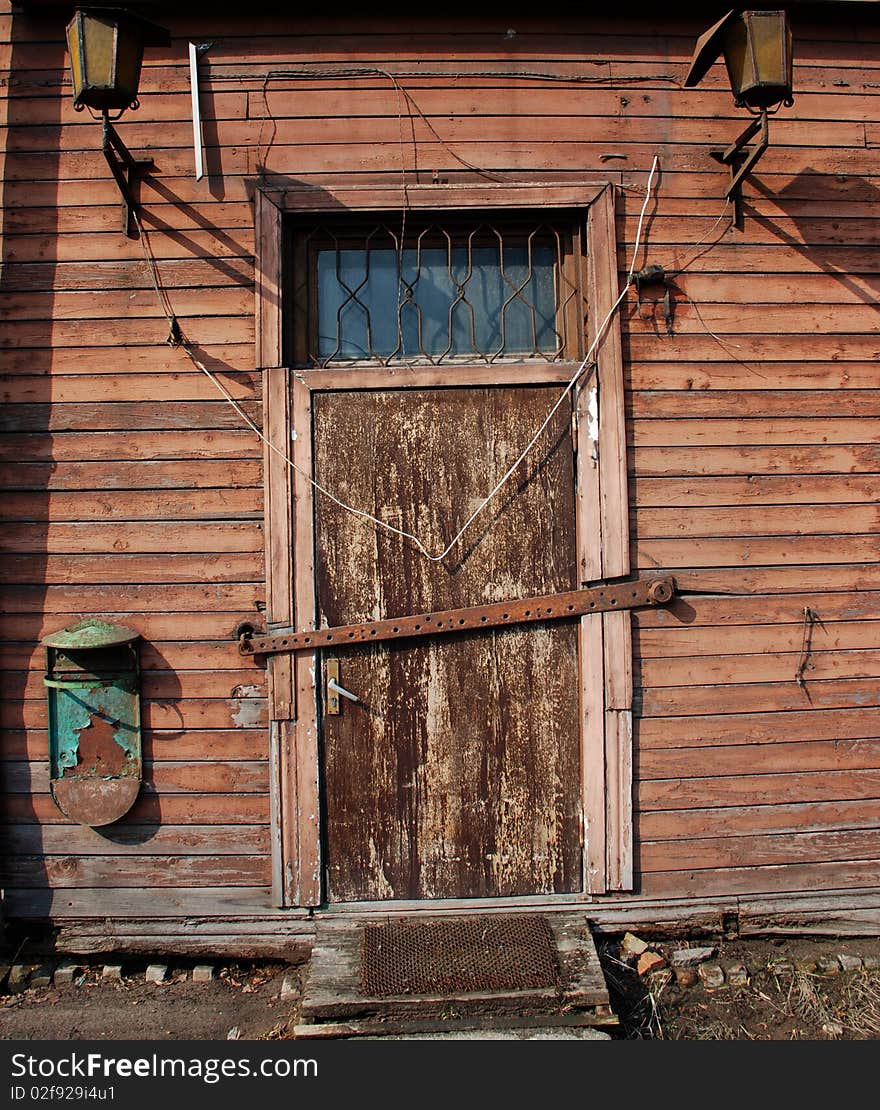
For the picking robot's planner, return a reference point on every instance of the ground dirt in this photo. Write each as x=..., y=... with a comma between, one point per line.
x=786, y=995
x=784, y=998
x=242, y=997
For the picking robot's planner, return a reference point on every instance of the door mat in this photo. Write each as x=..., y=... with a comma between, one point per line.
x=458, y=955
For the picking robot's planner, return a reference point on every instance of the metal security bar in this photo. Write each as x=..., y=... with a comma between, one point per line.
x=437, y=293
x=645, y=593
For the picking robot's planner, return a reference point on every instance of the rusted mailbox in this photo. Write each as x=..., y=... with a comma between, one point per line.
x=93, y=686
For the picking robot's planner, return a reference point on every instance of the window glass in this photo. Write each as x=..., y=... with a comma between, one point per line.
x=436, y=299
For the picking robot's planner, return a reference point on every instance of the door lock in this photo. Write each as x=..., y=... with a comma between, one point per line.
x=334, y=690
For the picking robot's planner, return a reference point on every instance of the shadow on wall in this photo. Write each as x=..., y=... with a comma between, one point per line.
x=826, y=191
x=27, y=290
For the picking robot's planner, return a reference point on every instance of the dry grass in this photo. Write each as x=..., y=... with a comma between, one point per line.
x=807, y=999
x=862, y=1005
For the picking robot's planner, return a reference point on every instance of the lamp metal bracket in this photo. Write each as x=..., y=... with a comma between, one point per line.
x=127, y=171
x=742, y=161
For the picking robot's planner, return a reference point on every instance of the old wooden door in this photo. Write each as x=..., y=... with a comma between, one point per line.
x=457, y=772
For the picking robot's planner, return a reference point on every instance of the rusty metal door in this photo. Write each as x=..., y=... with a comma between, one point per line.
x=457, y=772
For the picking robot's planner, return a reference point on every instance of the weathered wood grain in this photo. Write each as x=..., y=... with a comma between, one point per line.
x=417, y=747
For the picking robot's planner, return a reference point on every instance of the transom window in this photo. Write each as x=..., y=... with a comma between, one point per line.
x=388, y=291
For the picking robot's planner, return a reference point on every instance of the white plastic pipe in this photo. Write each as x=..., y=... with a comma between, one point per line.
x=196, y=111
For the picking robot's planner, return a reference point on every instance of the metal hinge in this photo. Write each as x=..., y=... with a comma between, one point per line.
x=574, y=603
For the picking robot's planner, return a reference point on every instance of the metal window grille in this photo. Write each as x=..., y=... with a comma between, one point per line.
x=442, y=292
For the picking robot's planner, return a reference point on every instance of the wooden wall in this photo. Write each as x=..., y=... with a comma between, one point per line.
x=131, y=488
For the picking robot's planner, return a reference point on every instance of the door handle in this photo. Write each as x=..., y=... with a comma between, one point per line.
x=334, y=690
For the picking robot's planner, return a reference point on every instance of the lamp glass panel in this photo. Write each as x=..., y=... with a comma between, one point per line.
x=768, y=44
x=73, y=46
x=99, y=40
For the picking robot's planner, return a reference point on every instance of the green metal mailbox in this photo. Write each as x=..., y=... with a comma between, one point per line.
x=93, y=687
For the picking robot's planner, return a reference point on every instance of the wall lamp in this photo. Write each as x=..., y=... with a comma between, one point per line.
x=106, y=50
x=757, y=52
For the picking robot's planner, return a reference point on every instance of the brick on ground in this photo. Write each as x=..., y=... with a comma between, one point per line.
x=737, y=975
x=688, y=957
x=712, y=975
x=66, y=973
x=156, y=973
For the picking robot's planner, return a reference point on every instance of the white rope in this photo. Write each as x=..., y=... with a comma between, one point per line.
x=600, y=332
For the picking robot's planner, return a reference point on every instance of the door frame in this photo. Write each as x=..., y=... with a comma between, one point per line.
x=604, y=640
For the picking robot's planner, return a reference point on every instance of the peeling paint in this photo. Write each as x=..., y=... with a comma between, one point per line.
x=593, y=415
x=247, y=713
x=246, y=692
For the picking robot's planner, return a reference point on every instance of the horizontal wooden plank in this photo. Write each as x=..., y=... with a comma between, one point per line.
x=731, y=375
x=129, y=839
x=163, y=776
x=756, y=728
x=717, y=670
x=520, y=153
x=157, y=358
x=755, y=520
x=114, y=872
x=759, y=697
x=767, y=610
x=167, y=218
x=181, y=626
x=114, y=537
x=144, y=474
x=110, y=416
x=96, y=390
x=802, y=289
x=748, y=821
x=752, y=348
x=752, y=430
x=128, y=331
x=52, y=277
x=759, y=551
x=768, y=580
x=747, y=405
x=202, y=900
x=724, y=852
x=751, y=790
x=376, y=130
x=731, y=320
x=158, y=598
x=769, y=879
x=730, y=459
x=155, y=809
x=667, y=643
x=753, y=489
x=114, y=506
x=202, y=300
x=759, y=759
x=134, y=569
x=110, y=446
